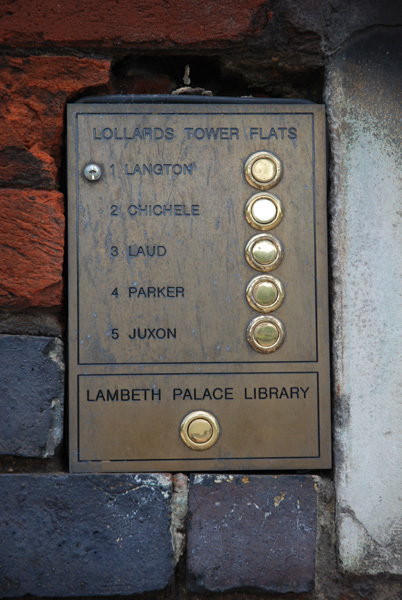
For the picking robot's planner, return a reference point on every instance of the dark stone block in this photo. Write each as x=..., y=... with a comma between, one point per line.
x=252, y=532
x=31, y=395
x=369, y=68
x=84, y=535
x=343, y=18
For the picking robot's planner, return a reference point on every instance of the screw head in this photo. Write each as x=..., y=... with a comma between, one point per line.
x=92, y=172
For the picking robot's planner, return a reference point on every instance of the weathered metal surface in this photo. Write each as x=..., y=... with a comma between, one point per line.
x=160, y=323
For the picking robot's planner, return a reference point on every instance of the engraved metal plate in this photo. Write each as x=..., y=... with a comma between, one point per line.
x=164, y=200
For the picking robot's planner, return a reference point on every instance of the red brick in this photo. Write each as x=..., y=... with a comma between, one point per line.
x=31, y=248
x=34, y=92
x=134, y=23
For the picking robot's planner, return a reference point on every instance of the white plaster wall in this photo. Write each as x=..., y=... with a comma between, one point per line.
x=366, y=236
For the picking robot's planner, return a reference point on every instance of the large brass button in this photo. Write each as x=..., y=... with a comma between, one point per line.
x=199, y=430
x=263, y=211
x=265, y=293
x=265, y=334
x=263, y=170
x=264, y=252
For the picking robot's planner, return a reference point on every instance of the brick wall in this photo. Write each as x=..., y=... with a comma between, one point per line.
x=166, y=536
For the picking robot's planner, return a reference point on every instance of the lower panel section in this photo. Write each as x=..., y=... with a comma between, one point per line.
x=144, y=422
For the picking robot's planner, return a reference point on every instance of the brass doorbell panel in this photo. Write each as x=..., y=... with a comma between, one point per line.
x=198, y=295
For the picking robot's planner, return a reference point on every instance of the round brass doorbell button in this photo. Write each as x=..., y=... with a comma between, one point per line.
x=264, y=252
x=263, y=211
x=265, y=293
x=199, y=430
x=265, y=334
x=263, y=170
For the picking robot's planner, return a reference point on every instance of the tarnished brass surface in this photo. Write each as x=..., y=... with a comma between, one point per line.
x=199, y=430
x=162, y=247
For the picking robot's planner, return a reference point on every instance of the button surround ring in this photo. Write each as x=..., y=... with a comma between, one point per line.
x=272, y=162
x=265, y=320
x=260, y=239
x=251, y=289
x=202, y=416
x=263, y=225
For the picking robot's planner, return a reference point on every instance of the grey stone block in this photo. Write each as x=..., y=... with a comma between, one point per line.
x=31, y=395
x=363, y=101
x=84, y=535
x=252, y=532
